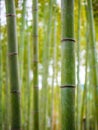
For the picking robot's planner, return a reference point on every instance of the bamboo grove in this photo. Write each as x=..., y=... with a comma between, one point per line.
x=48, y=65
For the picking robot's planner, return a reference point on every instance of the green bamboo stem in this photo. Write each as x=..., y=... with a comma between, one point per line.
x=35, y=66
x=92, y=46
x=78, y=66
x=21, y=43
x=88, y=109
x=46, y=65
x=54, y=64
x=84, y=98
x=6, y=95
x=28, y=86
x=13, y=65
x=28, y=92
x=0, y=74
x=21, y=58
x=24, y=106
x=68, y=66
x=4, y=87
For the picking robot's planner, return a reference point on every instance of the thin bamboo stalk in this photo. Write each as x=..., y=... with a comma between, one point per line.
x=7, y=105
x=0, y=74
x=28, y=86
x=46, y=65
x=84, y=98
x=93, y=46
x=35, y=66
x=13, y=64
x=54, y=65
x=68, y=66
x=78, y=66
x=21, y=43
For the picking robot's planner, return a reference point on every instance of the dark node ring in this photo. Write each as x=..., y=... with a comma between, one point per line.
x=9, y=15
x=15, y=92
x=67, y=86
x=68, y=39
x=35, y=61
x=35, y=9
x=12, y=53
x=35, y=87
x=35, y=35
x=35, y=111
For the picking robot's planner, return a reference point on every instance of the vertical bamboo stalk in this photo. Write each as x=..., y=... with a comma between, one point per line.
x=28, y=86
x=68, y=66
x=35, y=66
x=0, y=73
x=21, y=58
x=78, y=66
x=21, y=45
x=54, y=66
x=6, y=127
x=46, y=65
x=93, y=51
x=84, y=98
x=13, y=64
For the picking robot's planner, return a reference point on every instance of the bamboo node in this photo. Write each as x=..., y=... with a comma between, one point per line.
x=9, y=15
x=16, y=128
x=36, y=87
x=35, y=112
x=36, y=9
x=12, y=53
x=68, y=86
x=35, y=61
x=68, y=39
x=35, y=35
x=15, y=92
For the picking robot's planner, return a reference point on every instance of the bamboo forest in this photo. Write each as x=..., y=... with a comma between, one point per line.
x=48, y=64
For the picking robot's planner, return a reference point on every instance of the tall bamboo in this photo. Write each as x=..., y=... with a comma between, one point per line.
x=13, y=64
x=46, y=65
x=78, y=66
x=0, y=75
x=21, y=58
x=68, y=66
x=28, y=85
x=85, y=104
x=6, y=125
x=93, y=51
x=21, y=43
x=54, y=65
x=35, y=66
x=84, y=98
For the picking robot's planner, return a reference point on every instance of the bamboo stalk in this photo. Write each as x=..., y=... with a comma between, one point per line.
x=68, y=66
x=7, y=105
x=93, y=51
x=78, y=65
x=13, y=65
x=0, y=74
x=45, y=64
x=21, y=43
x=35, y=66
x=28, y=86
x=84, y=98
x=54, y=66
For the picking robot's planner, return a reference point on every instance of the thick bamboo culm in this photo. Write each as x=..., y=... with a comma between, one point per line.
x=13, y=65
x=68, y=66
